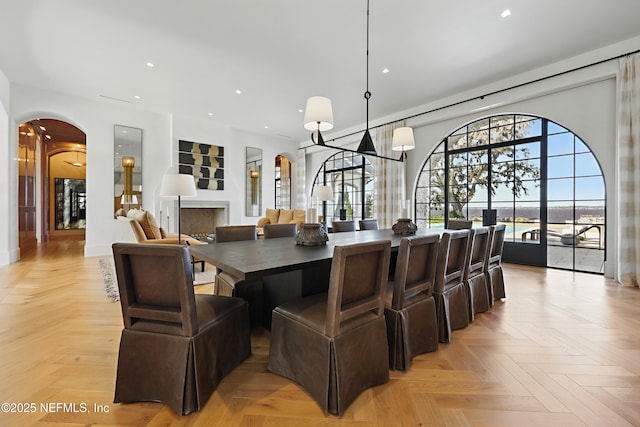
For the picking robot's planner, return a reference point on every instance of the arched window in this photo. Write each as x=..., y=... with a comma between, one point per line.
x=536, y=176
x=351, y=176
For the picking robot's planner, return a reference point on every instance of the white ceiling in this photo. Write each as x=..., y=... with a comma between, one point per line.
x=279, y=52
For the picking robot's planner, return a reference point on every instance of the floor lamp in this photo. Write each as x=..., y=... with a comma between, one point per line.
x=178, y=185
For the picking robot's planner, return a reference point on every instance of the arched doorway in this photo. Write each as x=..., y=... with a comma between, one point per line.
x=51, y=177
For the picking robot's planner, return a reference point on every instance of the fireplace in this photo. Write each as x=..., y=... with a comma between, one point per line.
x=200, y=218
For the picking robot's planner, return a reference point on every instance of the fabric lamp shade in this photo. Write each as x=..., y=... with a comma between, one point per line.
x=403, y=139
x=318, y=114
x=323, y=193
x=178, y=185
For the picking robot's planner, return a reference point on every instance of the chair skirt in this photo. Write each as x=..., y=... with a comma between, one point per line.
x=180, y=371
x=411, y=331
x=478, y=294
x=452, y=308
x=496, y=282
x=334, y=371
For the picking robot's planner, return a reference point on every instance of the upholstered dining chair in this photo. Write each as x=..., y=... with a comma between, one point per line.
x=335, y=345
x=175, y=346
x=234, y=233
x=410, y=309
x=449, y=291
x=368, y=224
x=341, y=226
x=475, y=279
x=493, y=263
x=227, y=284
x=459, y=224
x=280, y=230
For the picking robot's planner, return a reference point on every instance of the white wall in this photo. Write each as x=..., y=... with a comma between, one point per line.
x=97, y=120
x=161, y=133
x=6, y=228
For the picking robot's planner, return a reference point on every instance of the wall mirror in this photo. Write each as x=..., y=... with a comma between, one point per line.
x=253, y=176
x=127, y=168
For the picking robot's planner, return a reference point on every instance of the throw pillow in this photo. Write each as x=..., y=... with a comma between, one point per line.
x=149, y=225
x=272, y=215
x=299, y=216
x=286, y=216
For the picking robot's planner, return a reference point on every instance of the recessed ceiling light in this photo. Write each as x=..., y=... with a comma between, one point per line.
x=211, y=114
x=505, y=13
x=124, y=131
x=136, y=96
x=42, y=128
x=266, y=127
x=150, y=64
x=238, y=91
x=47, y=136
x=385, y=71
x=300, y=110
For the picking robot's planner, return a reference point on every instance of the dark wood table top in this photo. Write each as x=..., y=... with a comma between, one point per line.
x=263, y=257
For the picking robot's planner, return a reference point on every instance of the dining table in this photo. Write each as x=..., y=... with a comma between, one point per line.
x=285, y=270
x=255, y=259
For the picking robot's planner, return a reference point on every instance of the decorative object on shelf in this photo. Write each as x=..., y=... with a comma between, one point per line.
x=204, y=162
x=318, y=117
x=311, y=234
x=178, y=185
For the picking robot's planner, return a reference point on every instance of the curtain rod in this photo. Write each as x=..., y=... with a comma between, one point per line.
x=444, y=107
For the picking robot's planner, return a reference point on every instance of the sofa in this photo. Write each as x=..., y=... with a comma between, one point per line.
x=283, y=216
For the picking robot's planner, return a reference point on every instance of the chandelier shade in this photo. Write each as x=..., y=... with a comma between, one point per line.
x=318, y=114
x=403, y=139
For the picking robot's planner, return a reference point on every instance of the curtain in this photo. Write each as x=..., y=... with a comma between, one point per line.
x=301, y=172
x=628, y=259
x=390, y=179
x=285, y=183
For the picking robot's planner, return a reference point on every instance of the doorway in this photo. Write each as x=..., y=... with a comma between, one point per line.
x=51, y=176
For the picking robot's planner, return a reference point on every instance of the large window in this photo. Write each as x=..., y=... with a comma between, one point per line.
x=541, y=180
x=351, y=176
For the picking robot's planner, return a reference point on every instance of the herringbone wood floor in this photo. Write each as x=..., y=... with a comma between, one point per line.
x=562, y=350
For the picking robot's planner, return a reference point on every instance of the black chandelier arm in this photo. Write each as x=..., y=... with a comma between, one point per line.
x=401, y=159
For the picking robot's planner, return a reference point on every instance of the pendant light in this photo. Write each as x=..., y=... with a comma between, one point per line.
x=366, y=144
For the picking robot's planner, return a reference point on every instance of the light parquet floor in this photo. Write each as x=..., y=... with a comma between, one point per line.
x=562, y=350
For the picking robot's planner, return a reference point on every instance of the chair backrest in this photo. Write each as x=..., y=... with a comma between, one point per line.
x=452, y=258
x=340, y=226
x=415, y=268
x=459, y=224
x=280, y=230
x=368, y=224
x=479, y=239
x=357, y=283
x=156, y=288
x=234, y=233
x=496, y=237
